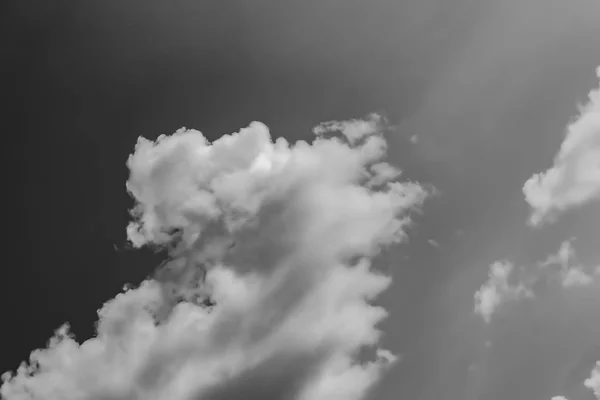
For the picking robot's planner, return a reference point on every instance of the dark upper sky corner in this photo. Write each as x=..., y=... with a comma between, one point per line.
x=86, y=79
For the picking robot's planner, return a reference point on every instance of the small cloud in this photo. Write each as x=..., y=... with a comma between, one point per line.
x=571, y=273
x=593, y=382
x=354, y=130
x=382, y=173
x=433, y=243
x=563, y=256
x=574, y=179
x=414, y=139
x=497, y=290
x=576, y=277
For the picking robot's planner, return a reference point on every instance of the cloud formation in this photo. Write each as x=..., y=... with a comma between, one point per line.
x=354, y=130
x=574, y=179
x=592, y=383
x=497, y=290
x=267, y=292
x=561, y=266
x=570, y=272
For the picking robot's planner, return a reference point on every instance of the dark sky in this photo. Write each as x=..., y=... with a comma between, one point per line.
x=487, y=86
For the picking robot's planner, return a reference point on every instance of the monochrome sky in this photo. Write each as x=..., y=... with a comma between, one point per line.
x=488, y=109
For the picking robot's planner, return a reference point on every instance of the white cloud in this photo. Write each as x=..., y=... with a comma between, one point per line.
x=283, y=236
x=382, y=173
x=433, y=243
x=576, y=277
x=574, y=179
x=354, y=130
x=570, y=272
x=497, y=290
x=563, y=256
x=593, y=382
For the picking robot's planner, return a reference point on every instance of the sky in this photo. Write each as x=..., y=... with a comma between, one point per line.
x=485, y=288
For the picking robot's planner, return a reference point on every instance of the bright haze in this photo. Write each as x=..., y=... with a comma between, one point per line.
x=305, y=200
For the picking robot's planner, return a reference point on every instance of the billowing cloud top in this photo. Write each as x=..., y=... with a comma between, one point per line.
x=279, y=238
x=575, y=177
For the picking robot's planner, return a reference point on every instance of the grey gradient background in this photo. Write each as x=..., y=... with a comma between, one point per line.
x=487, y=86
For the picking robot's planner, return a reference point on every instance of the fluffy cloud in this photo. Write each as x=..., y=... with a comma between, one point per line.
x=267, y=292
x=574, y=179
x=497, y=290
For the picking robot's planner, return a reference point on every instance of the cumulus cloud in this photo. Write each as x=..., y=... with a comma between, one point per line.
x=574, y=179
x=498, y=290
x=268, y=291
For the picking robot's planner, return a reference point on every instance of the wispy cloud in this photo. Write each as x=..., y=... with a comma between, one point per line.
x=561, y=266
x=593, y=382
x=497, y=290
x=574, y=179
x=433, y=243
x=267, y=292
x=571, y=273
x=354, y=129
